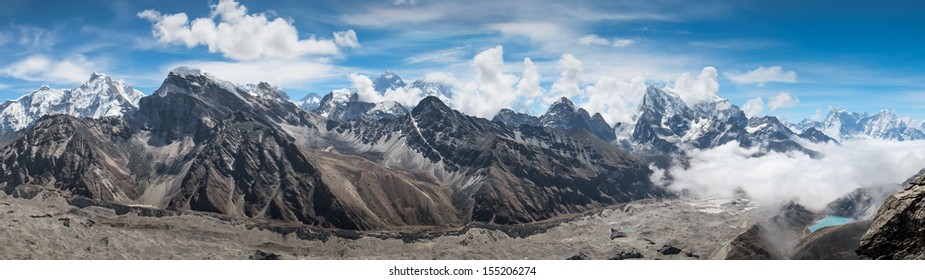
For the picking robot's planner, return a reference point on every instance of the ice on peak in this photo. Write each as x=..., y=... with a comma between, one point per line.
x=563, y=101
x=44, y=88
x=184, y=71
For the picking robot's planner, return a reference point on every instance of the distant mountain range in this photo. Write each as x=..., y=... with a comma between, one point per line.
x=101, y=96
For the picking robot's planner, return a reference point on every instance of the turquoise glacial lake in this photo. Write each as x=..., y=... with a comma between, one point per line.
x=829, y=221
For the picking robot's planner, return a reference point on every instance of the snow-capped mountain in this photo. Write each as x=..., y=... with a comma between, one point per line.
x=344, y=105
x=388, y=80
x=842, y=125
x=440, y=90
x=665, y=124
x=309, y=102
x=100, y=96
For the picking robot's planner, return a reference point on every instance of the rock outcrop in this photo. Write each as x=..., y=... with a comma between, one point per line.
x=898, y=230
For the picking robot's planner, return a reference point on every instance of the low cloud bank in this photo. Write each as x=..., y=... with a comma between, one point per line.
x=780, y=177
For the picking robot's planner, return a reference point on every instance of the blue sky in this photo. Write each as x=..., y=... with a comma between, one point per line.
x=799, y=56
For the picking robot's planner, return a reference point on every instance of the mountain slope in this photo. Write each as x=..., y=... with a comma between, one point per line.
x=497, y=174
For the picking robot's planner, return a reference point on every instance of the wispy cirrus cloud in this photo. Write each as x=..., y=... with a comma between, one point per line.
x=761, y=75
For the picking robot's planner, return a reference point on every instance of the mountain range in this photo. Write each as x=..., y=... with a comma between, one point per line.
x=205, y=144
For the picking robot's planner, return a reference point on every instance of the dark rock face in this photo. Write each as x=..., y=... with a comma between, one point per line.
x=750, y=245
x=775, y=136
x=578, y=257
x=79, y=156
x=831, y=243
x=192, y=104
x=859, y=204
x=564, y=115
x=772, y=239
x=250, y=168
x=614, y=234
x=514, y=119
x=261, y=255
x=531, y=176
x=898, y=230
x=669, y=250
x=627, y=255
x=813, y=134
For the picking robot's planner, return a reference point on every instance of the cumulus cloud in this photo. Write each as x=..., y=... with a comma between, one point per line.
x=782, y=101
x=39, y=68
x=778, y=177
x=617, y=100
x=570, y=80
x=694, y=90
x=492, y=90
x=594, y=40
x=753, y=107
x=406, y=96
x=230, y=30
x=529, y=84
x=346, y=39
x=364, y=87
x=763, y=75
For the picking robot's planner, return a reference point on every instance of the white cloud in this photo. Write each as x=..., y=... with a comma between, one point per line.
x=818, y=115
x=4, y=86
x=777, y=177
x=617, y=100
x=538, y=31
x=440, y=77
x=346, y=39
x=695, y=90
x=753, y=107
x=402, y=2
x=593, y=39
x=39, y=68
x=283, y=73
x=398, y=18
x=230, y=30
x=406, y=96
x=446, y=56
x=622, y=42
x=529, y=84
x=782, y=101
x=763, y=75
x=492, y=90
x=36, y=37
x=364, y=86
x=570, y=80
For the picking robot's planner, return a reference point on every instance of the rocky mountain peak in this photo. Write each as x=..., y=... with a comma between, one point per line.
x=388, y=80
